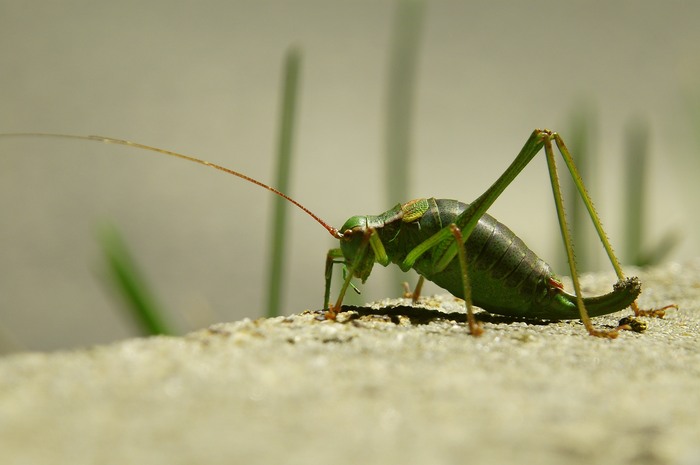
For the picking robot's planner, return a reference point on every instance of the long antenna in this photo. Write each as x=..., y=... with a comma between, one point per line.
x=111, y=140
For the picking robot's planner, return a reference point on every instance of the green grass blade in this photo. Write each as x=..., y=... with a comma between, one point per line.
x=636, y=190
x=401, y=80
x=127, y=279
x=279, y=228
x=400, y=97
x=662, y=249
x=636, y=159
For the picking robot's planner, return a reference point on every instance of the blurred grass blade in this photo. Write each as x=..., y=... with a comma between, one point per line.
x=275, y=281
x=661, y=250
x=637, y=157
x=129, y=282
x=403, y=60
x=637, y=186
x=400, y=97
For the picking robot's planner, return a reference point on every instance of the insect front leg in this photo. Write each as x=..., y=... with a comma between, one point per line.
x=333, y=310
x=331, y=259
x=360, y=247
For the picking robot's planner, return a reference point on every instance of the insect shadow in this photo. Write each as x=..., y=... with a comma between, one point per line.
x=426, y=315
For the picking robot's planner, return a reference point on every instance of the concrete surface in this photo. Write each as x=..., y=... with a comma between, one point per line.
x=372, y=389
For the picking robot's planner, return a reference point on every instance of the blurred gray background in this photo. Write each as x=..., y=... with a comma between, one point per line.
x=203, y=78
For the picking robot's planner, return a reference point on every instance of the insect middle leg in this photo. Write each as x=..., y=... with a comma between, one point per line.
x=475, y=328
x=414, y=294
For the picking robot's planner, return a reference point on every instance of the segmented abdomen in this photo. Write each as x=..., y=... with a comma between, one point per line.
x=506, y=276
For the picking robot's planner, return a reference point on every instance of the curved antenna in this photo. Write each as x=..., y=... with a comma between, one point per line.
x=111, y=140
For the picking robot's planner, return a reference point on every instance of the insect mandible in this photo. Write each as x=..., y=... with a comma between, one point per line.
x=461, y=248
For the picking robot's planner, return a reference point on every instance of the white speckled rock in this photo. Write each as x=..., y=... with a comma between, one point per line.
x=297, y=390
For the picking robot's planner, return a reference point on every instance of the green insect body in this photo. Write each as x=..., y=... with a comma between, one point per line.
x=467, y=252
x=507, y=278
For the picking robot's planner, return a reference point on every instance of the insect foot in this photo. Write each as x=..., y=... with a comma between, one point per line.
x=331, y=313
x=630, y=323
x=407, y=292
x=612, y=334
x=475, y=328
x=654, y=312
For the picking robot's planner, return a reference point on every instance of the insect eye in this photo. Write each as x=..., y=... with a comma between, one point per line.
x=353, y=234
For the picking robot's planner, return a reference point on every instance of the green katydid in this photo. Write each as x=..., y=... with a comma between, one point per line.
x=461, y=248
x=493, y=269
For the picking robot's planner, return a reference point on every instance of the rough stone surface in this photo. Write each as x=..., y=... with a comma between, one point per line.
x=371, y=389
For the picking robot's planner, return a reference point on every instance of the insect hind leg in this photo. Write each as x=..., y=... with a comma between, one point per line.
x=576, y=177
